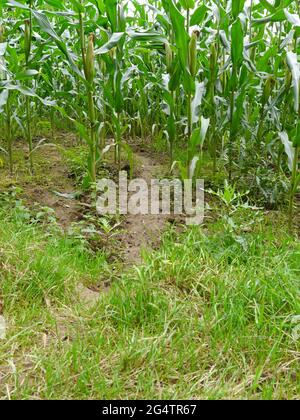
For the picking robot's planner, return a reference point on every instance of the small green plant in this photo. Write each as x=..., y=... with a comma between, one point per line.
x=230, y=196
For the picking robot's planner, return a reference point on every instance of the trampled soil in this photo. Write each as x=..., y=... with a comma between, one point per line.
x=143, y=232
x=52, y=187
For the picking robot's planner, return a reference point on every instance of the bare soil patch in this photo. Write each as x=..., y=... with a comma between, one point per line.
x=52, y=186
x=143, y=231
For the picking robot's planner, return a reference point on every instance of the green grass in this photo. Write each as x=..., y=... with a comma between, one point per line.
x=207, y=316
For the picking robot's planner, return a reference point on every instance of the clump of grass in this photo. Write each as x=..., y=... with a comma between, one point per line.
x=36, y=265
x=204, y=317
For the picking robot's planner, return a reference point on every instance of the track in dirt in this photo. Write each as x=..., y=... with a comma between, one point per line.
x=58, y=192
x=143, y=232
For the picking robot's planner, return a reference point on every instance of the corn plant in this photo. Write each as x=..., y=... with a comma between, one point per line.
x=292, y=147
x=27, y=51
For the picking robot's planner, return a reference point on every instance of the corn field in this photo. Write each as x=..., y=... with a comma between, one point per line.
x=213, y=86
x=216, y=76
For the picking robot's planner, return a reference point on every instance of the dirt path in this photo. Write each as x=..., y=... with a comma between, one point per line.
x=56, y=192
x=139, y=232
x=143, y=231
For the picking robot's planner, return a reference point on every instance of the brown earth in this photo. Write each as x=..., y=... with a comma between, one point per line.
x=142, y=232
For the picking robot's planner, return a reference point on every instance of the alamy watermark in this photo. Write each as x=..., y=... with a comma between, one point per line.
x=155, y=197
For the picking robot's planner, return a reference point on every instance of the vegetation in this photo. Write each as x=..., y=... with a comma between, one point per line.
x=202, y=318
x=206, y=89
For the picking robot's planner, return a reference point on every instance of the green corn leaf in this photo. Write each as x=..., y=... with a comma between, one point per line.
x=29, y=92
x=77, y=6
x=268, y=6
x=56, y=4
x=199, y=15
x=3, y=98
x=195, y=140
x=296, y=142
x=289, y=149
x=238, y=112
x=147, y=36
x=113, y=42
x=175, y=77
x=187, y=4
x=181, y=36
x=237, y=7
x=279, y=16
x=237, y=43
x=26, y=74
x=292, y=61
x=45, y=26
x=17, y=4
x=112, y=13
x=199, y=93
